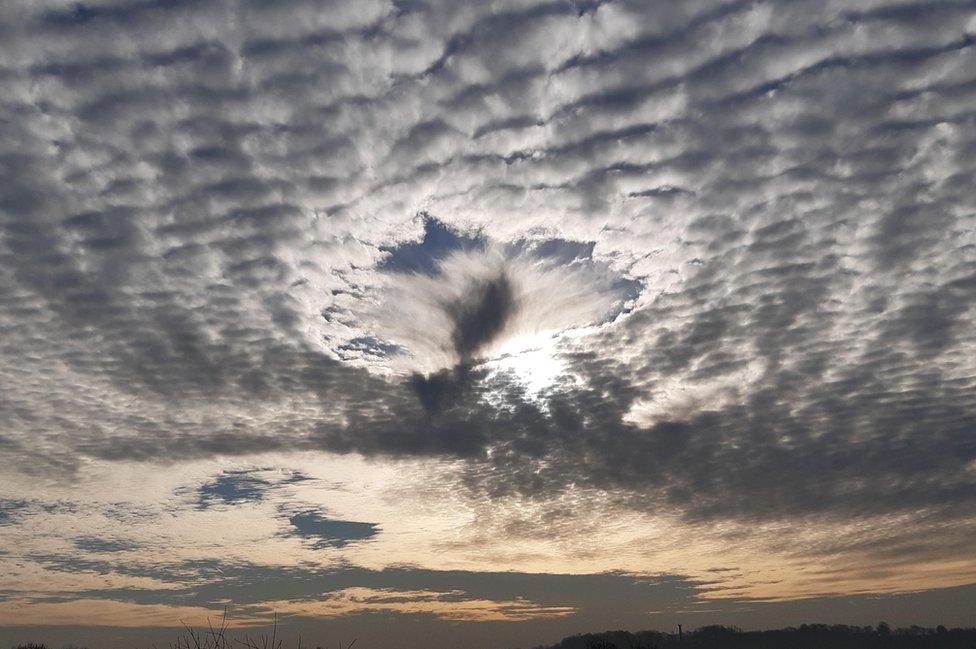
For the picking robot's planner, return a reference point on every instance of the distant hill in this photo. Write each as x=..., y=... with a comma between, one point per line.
x=806, y=636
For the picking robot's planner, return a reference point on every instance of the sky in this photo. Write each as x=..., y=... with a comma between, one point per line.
x=479, y=324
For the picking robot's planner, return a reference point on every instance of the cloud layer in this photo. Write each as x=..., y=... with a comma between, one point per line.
x=739, y=235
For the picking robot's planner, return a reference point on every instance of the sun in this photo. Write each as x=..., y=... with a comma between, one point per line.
x=533, y=360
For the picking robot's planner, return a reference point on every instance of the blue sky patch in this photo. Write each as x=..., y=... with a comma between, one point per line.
x=243, y=486
x=330, y=533
x=422, y=256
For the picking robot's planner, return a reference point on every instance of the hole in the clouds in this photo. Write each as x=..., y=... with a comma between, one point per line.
x=438, y=241
x=323, y=532
x=233, y=488
x=454, y=300
x=238, y=487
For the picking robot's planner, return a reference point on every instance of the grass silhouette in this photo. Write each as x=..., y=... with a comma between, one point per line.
x=806, y=636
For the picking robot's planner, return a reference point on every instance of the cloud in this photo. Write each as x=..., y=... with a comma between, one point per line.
x=479, y=317
x=9, y=510
x=97, y=545
x=214, y=582
x=12, y=512
x=756, y=253
x=309, y=593
x=452, y=605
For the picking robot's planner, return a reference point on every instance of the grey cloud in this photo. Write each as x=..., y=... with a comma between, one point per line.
x=601, y=600
x=441, y=388
x=480, y=316
x=216, y=581
x=97, y=545
x=24, y=513
x=9, y=510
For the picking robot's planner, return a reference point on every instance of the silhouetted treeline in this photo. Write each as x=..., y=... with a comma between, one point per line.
x=806, y=636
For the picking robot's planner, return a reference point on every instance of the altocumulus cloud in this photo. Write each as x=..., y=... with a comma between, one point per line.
x=755, y=220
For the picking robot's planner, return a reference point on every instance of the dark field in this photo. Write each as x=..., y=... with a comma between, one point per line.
x=806, y=636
